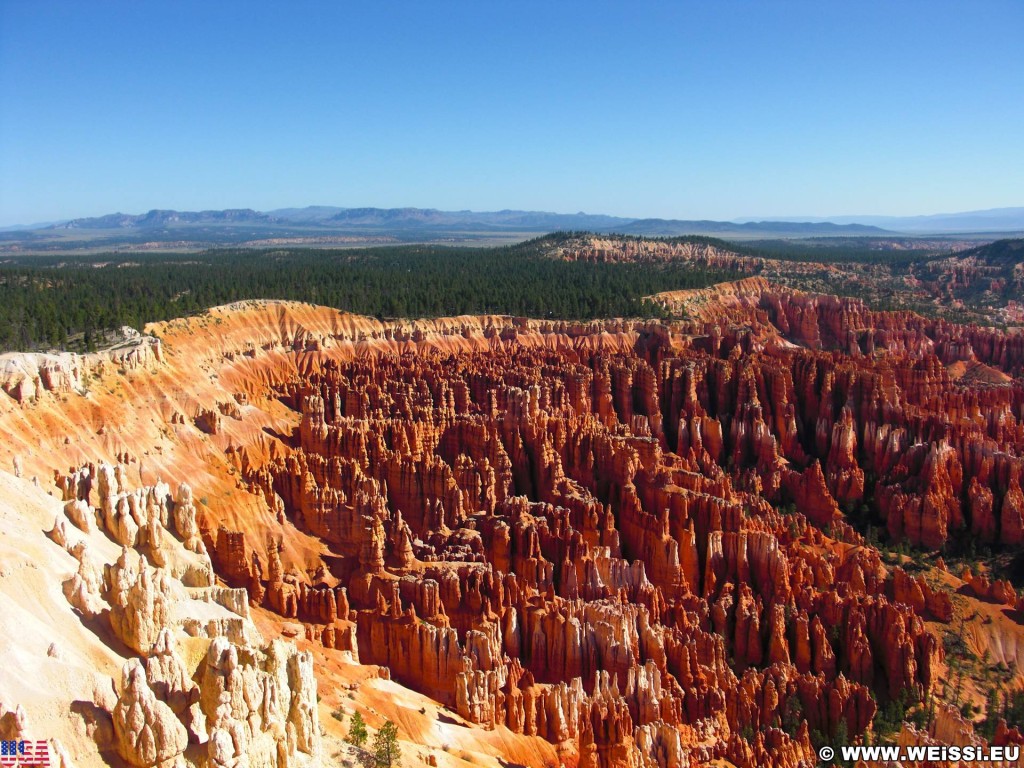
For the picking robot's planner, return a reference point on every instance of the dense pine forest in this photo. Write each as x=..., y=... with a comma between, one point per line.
x=69, y=302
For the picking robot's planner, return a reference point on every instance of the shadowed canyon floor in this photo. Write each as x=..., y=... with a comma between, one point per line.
x=615, y=543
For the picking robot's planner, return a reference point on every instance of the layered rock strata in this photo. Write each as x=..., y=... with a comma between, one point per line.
x=237, y=700
x=636, y=540
x=645, y=552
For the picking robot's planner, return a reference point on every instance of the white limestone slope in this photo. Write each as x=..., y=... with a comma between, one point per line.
x=119, y=649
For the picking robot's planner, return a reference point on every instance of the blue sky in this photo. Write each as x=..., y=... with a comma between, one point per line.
x=685, y=109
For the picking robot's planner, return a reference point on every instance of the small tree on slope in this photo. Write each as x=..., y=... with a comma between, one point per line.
x=385, y=746
x=356, y=731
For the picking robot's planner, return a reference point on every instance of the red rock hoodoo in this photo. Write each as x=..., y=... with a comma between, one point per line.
x=630, y=539
x=643, y=547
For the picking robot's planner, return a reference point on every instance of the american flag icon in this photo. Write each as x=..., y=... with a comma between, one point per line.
x=24, y=753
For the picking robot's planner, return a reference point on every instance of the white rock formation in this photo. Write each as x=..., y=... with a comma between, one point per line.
x=147, y=733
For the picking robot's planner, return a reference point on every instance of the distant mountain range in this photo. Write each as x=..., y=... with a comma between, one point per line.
x=990, y=220
x=675, y=227
x=239, y=225
x=391, y=218
x=403, y=219
x=156, y=219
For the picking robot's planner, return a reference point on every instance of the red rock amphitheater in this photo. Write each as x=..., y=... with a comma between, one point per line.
x=616, y=543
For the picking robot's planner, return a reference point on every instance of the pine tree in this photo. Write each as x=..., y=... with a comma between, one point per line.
x=992, y=714
x=356, y=731
x=385, y=746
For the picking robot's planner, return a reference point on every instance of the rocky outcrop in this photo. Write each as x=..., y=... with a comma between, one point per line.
x=646, y=542
x=140, y=601
x=185, y=520
x=920, y=596
x=209, y=421
x=146, y=730
x=999, y=591
x=262, y=701
x=168, y=676
x=200, y=684
x=27, y=377
x=84, y=589
x=260, y=710
x=614, y=548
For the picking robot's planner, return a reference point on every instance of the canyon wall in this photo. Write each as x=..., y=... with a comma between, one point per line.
x=642, y=540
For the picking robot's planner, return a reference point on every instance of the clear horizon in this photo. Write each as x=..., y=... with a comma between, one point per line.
x=733, y=111
x=794, y=218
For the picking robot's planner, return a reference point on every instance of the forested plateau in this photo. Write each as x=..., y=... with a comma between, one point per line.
x=79, y=303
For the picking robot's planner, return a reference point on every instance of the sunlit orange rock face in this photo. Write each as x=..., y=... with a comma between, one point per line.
x=630, y=539
x=516, y=541
x=643, y=551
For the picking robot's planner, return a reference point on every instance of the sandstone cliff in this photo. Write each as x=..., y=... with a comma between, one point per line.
x=635, y=540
